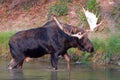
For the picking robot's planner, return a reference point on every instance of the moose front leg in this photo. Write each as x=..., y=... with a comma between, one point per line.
x=54, y=61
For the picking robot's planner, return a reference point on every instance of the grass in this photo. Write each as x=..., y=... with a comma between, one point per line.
x=113, y=44
x=99, y=45
x=92, y=5
x=115, y=14
x=4, y=38
x=110, y=46
x=59, y=9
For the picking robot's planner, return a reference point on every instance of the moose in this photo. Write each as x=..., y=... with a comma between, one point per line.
x=52, y=38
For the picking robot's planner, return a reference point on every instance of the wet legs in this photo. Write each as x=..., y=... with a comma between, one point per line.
x=67, y=58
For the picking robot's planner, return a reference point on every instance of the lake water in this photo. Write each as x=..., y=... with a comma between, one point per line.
x=43, y=71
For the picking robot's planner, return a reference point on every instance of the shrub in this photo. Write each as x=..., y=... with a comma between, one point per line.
x=59, y=8
x=92, y=5
x=115, y=14
x=99, y=45
x=110, y=46
x=4, y=38
x=84, y=58
x=113, y=44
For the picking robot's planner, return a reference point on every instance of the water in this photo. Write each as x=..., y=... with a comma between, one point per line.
x=43, y=71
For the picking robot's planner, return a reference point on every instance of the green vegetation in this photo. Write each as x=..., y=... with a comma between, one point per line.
x=82, y=18
x=110, y=46
x=99, y=45
x=115, y=14
x=4, y=38
x=104, y=48
x=113, y=44
x=91, y=5
x=59, y=9
x=84, y=58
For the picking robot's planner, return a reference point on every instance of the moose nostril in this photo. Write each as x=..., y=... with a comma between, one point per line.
x=92, y=50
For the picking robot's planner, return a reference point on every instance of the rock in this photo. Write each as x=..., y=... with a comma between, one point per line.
x=118, y=63
x=78, y=63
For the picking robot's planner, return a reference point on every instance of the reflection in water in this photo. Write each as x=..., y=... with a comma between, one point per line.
x=19, y=75
x=16, y=75
x=54, y=76
x=37, y=71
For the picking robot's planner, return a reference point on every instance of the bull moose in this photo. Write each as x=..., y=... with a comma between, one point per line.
x=47, y=39
x=52, y=38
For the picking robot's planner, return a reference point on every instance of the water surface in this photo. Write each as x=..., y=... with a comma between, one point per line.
x=43, y=71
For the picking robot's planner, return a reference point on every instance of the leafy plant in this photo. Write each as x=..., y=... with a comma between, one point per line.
x=115, y=14
x=92, y=5
x=4, y=38
x=59, y=8
x=109, y=47
x=78, y=56
x=107, y=56
x=113, y=44
x=27, y=5
x=82, y=18
x=64, y=1
x=99, y=45
x=84, y=58
x=68, y=0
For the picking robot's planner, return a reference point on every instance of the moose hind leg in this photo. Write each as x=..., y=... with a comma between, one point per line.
x=67, y=58
x=12, y=64
x=15, y=64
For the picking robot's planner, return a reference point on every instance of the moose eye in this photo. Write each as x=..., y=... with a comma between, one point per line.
x=79, y=33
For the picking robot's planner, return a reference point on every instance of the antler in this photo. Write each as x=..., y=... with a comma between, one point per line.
x=92, y=20
x=78, y=35
x=58, y=23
